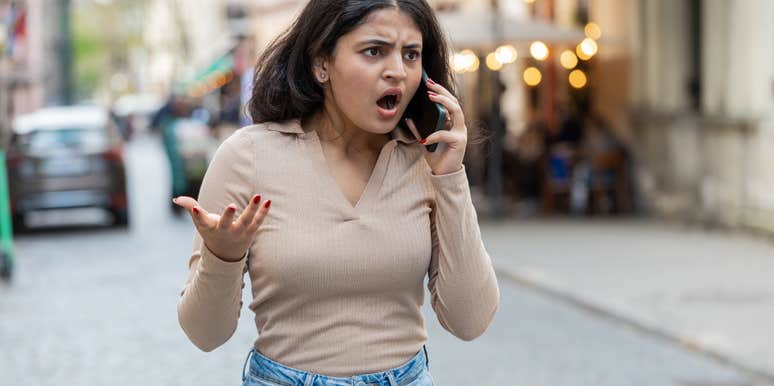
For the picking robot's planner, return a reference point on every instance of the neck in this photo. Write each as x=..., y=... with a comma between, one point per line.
x=339, y=134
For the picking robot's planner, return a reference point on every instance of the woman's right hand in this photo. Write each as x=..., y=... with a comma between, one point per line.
x=226, y=237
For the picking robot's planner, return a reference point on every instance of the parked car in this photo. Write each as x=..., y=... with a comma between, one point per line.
x=66, y=158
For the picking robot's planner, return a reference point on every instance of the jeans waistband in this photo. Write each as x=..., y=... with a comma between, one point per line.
x=259, y=365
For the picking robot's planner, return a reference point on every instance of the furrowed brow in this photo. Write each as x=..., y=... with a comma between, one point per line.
x=379, y=42
x=376, y=42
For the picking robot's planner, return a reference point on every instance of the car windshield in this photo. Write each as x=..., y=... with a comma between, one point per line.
x=74, y=138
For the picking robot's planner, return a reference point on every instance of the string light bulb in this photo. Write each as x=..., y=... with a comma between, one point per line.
x=568, y=59
x=539, y=50
x=592, y=31
x=506, y=54
x=577, y=79
x=493, y=63
x=532, y=76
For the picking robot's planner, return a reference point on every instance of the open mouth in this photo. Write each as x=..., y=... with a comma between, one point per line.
x=388, y=102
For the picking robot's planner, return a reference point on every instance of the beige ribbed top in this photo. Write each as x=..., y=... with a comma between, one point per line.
x=337, y=290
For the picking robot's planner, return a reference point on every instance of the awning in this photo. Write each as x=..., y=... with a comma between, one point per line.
x=215, y=76
x=221, y=65
x=466, y=30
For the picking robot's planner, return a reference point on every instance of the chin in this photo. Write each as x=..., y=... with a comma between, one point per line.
x=376, y=125
x=381, y=127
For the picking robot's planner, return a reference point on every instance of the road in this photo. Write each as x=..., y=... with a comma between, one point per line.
x=97, y=306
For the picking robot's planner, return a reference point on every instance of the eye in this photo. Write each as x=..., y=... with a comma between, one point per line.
x=372, y=51
x=412, y=55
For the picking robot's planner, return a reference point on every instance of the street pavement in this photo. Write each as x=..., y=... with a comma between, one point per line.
x=97, y=306
x=710, y=291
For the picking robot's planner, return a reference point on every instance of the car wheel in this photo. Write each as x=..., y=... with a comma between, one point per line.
x=19, y=226
x=120, y=218
x=6, y=269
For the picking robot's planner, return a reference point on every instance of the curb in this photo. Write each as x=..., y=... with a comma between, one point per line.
x=588, y=305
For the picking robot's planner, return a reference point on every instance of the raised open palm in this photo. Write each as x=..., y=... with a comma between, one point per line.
x=227, y=235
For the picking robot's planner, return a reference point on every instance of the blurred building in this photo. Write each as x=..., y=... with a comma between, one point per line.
x=512, y=83
x=182, y=37
x=703, y=109
x=682, y=88
x=265, y=19
x=31, y=44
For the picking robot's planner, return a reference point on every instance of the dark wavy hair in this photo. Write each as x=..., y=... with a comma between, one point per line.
x=284, y=86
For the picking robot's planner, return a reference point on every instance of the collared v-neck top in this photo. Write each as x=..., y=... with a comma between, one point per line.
x=337, y=289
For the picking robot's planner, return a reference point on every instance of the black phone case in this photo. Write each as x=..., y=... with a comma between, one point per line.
x=427, y=115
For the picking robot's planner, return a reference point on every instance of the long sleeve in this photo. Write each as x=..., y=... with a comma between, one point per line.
x=462, y=282
x=211, y=298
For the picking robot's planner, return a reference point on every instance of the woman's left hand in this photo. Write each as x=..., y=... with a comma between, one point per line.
x=448, y=159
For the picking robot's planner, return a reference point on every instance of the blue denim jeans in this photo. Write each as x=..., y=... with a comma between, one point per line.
x=262, y=371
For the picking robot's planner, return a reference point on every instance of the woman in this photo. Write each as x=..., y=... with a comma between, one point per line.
x=355, y=211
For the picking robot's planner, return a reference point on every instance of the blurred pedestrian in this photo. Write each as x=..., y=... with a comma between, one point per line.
x=360, y=212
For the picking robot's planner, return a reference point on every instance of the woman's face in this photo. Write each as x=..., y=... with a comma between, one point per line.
x=380, y=57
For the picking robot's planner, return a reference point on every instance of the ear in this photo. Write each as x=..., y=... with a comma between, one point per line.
x=320, y=70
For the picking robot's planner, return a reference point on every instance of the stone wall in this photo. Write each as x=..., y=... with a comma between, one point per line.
x=710, y=171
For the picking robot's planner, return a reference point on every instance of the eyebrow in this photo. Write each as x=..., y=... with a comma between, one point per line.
x=380, y=42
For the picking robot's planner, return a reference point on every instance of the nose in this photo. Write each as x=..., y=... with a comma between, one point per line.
x=395, y=68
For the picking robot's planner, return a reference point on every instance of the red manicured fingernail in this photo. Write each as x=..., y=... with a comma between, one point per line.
x=231, y=209
x=257, y=199
x=422, y=141
x=267, y=204
x=196, y=210
x=430, y=81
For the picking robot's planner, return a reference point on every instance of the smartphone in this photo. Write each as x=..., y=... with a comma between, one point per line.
x=427, y=115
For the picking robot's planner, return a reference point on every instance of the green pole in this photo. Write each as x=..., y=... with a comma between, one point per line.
x=6, y=232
